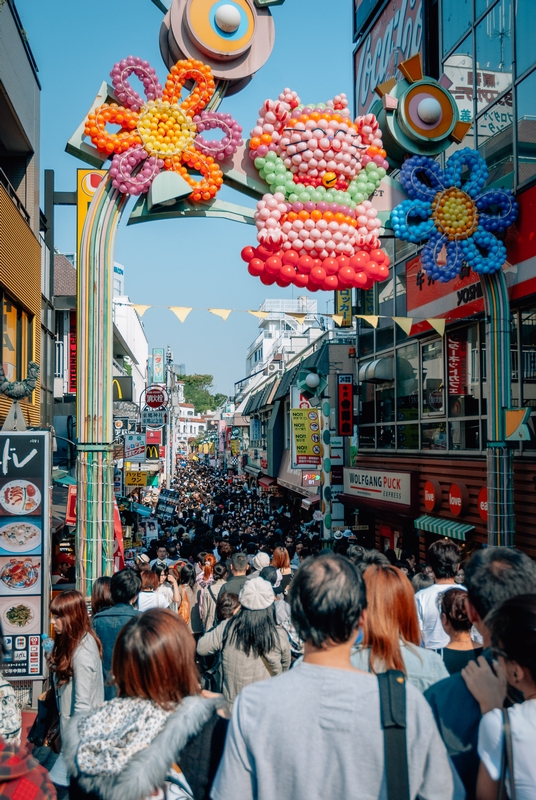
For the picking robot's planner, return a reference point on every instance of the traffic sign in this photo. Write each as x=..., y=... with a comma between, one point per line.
x=156, y=397
x=154, y=418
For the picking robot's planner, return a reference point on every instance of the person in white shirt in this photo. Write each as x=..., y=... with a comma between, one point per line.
x=444, y=557
x=161, y=558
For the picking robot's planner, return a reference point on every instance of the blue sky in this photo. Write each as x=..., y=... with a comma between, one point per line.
x=180, y=262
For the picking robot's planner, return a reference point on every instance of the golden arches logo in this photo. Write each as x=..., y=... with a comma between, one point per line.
x=117, y=385
x=152, y=452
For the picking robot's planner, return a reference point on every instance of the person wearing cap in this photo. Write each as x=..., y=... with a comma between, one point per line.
x=258, y=563
x=65, y=562
x=252, y=646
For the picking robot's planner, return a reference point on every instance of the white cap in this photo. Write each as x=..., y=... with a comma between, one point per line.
x=256, y=594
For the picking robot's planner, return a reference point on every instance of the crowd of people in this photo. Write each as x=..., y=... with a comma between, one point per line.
x=236, y=659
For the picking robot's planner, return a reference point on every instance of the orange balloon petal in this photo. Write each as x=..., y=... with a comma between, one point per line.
x=105, y=140
x=189, y=69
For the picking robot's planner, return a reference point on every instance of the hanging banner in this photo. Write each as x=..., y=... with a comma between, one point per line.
x=134, y=446
x=153, y=436
x=306, y=438
x=72, y=353
x=157, y=370
x=343, y=307
x=235, y=447
x=457, y=363
x=25, y=492
x=345, y=398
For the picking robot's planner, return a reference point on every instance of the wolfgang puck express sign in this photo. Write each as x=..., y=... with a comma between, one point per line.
x=387, y=487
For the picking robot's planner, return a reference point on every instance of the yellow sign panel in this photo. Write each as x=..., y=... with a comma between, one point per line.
x=87, y=182
x=306, y=437
x=343, y=306
x=235, y=447
x=135, y=478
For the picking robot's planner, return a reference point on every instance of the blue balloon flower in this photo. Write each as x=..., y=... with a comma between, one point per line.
x=451, y=212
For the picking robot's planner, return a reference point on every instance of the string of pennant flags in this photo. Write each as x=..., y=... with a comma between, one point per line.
x=405, y=323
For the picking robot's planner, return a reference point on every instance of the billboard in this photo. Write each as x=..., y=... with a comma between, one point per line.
x=24, y=549
x=157, y=368
x=306, y=450
x=395, y=36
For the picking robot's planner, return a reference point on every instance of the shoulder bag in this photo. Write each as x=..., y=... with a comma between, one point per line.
x=507, y=760
x=392, y=686
x=212, y=678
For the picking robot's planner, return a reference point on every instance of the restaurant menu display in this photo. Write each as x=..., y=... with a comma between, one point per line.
x=24, y=549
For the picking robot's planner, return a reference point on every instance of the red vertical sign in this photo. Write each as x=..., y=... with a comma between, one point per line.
x=457, y=363
x=345, y=392
x=72, y=353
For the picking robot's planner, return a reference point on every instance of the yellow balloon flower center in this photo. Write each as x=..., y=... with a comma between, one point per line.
x=165, y=129
x=455, y=213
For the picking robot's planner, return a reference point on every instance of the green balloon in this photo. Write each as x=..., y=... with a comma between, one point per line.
x=259, y=163
x=330, y=196
x=370, y=187
x=262, y=174
x=281, y=189
x=270, y=177
x=322, y=190
x=382, y=172
x=280, y=168
x=293, y=197
x=300, y=188
x=305, y=197
x=359, y=198
x=271, y=156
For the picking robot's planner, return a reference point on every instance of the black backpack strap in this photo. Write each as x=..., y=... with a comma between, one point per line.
x=392, y=686
x=211, y=593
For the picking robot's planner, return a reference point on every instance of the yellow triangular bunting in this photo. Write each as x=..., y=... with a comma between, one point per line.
x=405, y=323
x=437, y=324
x=180, y=311
x=140, y=309
x=337, y=318
x=221, y=312
x=372, y=319
x=300, y=318
x=259, y=314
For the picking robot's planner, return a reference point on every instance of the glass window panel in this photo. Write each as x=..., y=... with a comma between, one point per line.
x=366, y=411
x=407, y=437
x=385, y=403
x=463, y=372
x=407, y=382
x=456, y=18
x=458, y=67
x=433, y=395
x=386, y=437
x=366, y=342
x=494, y=54
x=386, y=309
x=400, y=297
x=367, y=438
x=465, y=434
x=404, y=249
x=434, y=436
x=9, y=340
x=496, y=138
x=525, y=50
x=528, y=357
x=526, y=129
x=482, y=5
x=514, y=364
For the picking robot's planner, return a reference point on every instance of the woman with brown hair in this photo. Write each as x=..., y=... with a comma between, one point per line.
x=75, y=663
x=128, y=749
x=281, y=561
x=101, y=595
x=149, y=596
x=391, y=635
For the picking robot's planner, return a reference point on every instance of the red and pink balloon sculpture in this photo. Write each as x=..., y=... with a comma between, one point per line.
x=317, y=229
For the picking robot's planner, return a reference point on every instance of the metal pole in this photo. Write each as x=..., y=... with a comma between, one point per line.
x=95, y=524
x=325, y=412
x=500, y=457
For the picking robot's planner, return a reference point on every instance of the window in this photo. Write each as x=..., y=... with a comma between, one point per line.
x=457, y=18
x=494, y=54
x=17, y=340
x=526, y=129
x=433, y=401
x=526, y=52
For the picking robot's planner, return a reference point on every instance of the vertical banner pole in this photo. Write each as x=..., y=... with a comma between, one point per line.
x=326, y=471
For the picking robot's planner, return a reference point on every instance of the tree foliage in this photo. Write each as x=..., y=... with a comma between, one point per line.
x=197, y=391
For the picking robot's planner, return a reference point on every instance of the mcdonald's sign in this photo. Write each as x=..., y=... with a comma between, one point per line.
x=152, y=452
x=122, y=388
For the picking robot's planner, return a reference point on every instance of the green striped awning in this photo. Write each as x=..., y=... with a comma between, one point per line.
x=443, y=527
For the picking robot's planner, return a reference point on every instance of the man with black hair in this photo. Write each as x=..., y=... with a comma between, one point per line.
x=125, y=587
x=297, y=735
x=492, y=576
x=239, y=568
x=444, y=557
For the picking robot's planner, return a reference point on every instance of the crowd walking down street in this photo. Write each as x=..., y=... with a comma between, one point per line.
x=238, y=659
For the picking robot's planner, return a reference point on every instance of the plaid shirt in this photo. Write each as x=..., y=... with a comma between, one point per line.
x=21, y=777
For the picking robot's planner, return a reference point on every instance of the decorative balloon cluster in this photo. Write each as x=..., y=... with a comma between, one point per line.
x=321, y=167
x=162, y=132
x=449, y=210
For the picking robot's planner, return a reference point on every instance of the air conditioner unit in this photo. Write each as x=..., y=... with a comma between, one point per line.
x=274, y=367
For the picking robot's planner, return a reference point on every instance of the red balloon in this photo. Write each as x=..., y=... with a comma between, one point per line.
x=305, y=263
x=300, y=280
x=287, y=272
x=346, y=277
x=331, y=283
x=317, y=262
x=343, y=261
x=290, y=257
x=331, y=266
x=256, y=267
x=268, y=280
x=273, y=265
x=357, y=262
x=263, y=252
x=360, y=280
x=383, y=272
x=372, y=269
x=317, y=275
x=386, y=261
x=378, y=256
x=282, y=283
x=313, y=287
x=247, y=254
x=369, y=284
x=364, y=253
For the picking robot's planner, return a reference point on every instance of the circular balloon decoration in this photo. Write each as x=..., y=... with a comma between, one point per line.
x=162, y=131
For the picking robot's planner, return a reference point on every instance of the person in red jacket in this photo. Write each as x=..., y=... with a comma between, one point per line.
x=21, y=776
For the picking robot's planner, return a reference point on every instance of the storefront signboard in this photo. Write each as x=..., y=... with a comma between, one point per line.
x=483, y=503
x=345, y=400
x=311, y=479
x=386, y=487
x=306, y=438
x=25, y=470
x=135, y=478
x=135, y=447
x=457, y=363
x=458, y=499
x=433, y=495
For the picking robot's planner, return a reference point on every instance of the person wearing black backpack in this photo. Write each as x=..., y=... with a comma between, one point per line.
x=211, y=594
x=325, y=729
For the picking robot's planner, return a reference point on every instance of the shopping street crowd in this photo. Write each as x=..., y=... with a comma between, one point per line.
x=237, y=659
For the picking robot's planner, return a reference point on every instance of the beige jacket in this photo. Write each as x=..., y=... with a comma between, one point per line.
x=240, y=670
x=85, y=691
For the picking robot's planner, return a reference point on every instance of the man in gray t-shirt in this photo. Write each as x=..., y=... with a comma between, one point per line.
x=315, y=732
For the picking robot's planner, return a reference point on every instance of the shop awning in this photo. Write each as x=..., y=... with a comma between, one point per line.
x=292, y=478
x=443, y=527
x=267, y=481
x=310, y=501
x=63, y=478
x=251, y=470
